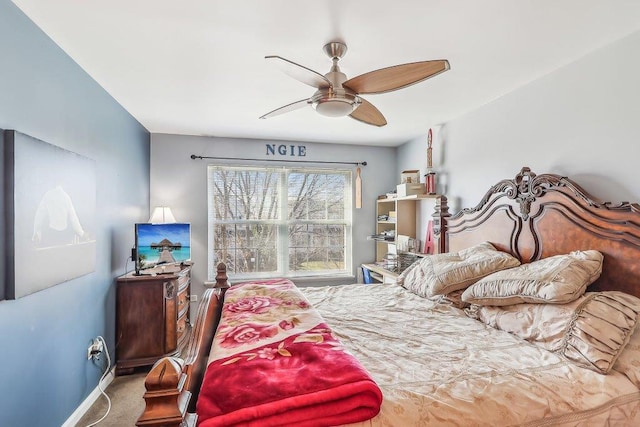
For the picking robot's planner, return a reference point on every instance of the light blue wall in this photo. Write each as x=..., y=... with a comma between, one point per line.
x=44, y=373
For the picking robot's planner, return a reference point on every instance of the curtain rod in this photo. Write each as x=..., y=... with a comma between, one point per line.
x=193, y=156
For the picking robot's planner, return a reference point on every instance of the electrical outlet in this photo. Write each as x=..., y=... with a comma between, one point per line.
x=95, y=349
x=194, y=297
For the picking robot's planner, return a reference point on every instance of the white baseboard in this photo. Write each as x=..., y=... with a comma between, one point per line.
x=86, y=404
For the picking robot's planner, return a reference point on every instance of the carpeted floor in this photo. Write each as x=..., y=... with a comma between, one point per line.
x=127, y=404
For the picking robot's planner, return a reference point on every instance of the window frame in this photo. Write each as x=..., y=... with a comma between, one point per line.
x=283, y=222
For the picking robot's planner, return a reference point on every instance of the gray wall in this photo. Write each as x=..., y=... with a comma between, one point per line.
x=580, y=121
x=44, y=372
x=181, y=183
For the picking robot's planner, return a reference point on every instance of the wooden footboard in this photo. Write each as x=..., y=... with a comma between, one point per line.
x=173, y=383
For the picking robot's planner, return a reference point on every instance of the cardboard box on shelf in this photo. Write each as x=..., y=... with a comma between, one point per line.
x=409, y=189
x=410, y=177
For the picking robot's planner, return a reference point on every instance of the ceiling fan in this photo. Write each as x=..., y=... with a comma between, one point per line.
x=337, y=96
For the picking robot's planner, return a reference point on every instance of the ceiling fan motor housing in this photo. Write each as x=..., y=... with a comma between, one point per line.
x=336, y=100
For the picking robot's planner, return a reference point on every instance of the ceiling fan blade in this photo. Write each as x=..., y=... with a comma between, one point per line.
x=289, y=107
x=300, y=72
x=396, y=77
x=368, y=114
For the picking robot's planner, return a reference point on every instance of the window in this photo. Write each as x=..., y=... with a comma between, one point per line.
x=268, y=222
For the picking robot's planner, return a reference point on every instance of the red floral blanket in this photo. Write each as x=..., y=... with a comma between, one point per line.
x=275, y=362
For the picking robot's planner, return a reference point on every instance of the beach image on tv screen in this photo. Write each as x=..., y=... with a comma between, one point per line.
x=163, y=244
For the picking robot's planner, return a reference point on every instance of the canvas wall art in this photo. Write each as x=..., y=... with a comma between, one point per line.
x=50, y=203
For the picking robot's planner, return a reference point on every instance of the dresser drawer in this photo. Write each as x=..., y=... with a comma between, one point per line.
x=183, y=326
x=183, y=301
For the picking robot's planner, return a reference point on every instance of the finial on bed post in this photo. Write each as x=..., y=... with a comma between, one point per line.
x=221, y=276
x=162, y=397
x=440, y=217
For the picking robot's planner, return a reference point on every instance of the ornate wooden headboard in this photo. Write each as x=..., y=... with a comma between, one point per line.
x=537, y=216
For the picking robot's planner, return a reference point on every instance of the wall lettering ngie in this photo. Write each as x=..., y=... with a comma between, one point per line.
x=286, y=150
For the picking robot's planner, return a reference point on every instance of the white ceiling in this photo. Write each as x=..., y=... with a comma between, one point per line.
x=197, y=67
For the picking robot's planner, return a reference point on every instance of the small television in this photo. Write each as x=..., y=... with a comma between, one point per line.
x=161, y=244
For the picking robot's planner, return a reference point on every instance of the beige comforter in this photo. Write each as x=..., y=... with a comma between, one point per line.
x=436, y=366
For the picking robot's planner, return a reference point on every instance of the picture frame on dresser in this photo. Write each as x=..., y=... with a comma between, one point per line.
x=49, y=201
x=161, y=244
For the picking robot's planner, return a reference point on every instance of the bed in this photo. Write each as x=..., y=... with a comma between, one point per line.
x=484, y=352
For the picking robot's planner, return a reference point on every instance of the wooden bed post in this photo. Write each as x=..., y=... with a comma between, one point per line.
x=222, y=281
x=173, y=384
x=163, y=399
x=440, y=217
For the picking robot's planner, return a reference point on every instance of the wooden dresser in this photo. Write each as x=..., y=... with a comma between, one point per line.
x=152, y=318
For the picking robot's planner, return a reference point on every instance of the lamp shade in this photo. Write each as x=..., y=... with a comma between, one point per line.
x=162, y=215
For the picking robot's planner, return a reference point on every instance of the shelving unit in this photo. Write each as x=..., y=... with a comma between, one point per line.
x=405, y=219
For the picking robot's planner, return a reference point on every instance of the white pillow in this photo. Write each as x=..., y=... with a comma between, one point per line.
x=591, y=331
x=443, y=274
x=557, y=280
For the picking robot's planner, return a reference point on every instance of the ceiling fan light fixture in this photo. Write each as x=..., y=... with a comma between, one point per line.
x=335, y=107
x=331, y=103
